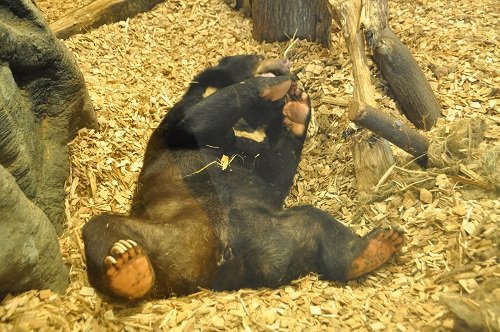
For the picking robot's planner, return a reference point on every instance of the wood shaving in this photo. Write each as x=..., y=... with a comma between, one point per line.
x=136, y=70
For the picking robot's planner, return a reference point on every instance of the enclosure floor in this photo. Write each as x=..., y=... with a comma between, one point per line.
x=136, y=70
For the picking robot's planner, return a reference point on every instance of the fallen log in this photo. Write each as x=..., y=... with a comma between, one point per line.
x=399, y=68
x=98, y=13
x=391, y=129
x=407, y=81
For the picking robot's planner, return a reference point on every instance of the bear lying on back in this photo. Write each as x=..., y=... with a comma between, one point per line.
x=208, y=209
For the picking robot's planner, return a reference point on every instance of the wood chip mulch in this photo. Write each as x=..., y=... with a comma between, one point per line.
x=448, y=271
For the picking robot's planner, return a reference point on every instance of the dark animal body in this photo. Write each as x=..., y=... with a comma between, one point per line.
x=208, y=209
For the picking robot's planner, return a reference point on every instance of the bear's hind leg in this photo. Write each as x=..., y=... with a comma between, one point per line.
x=128, y=270
x=117, y=253
x=324, y=245
x=297, y=111
x=382, y=243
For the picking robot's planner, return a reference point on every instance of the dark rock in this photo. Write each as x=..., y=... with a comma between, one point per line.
x=43, y=103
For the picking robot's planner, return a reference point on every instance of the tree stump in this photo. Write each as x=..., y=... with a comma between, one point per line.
x=280, y=20
x=245, y=6
x=43, y=103
x=371, y=156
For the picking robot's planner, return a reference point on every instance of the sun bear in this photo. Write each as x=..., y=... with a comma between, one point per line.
x=208, y=208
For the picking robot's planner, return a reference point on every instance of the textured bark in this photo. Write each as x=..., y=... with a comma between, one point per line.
x=391, y=129
x=245, y=6
x=98, y=13
x=43, y=103
x=372, y=156
x=280, y=20
x=374, y=16
x=397, y=65
x=348, y=14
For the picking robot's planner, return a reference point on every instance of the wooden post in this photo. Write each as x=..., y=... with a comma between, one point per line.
x=391, y=129
x=372, y=156
x=348, y=12
x=399, y=68
x=280, y=20
x=98, y=13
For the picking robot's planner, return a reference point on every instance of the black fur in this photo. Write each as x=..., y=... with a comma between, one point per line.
x=204, y=226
